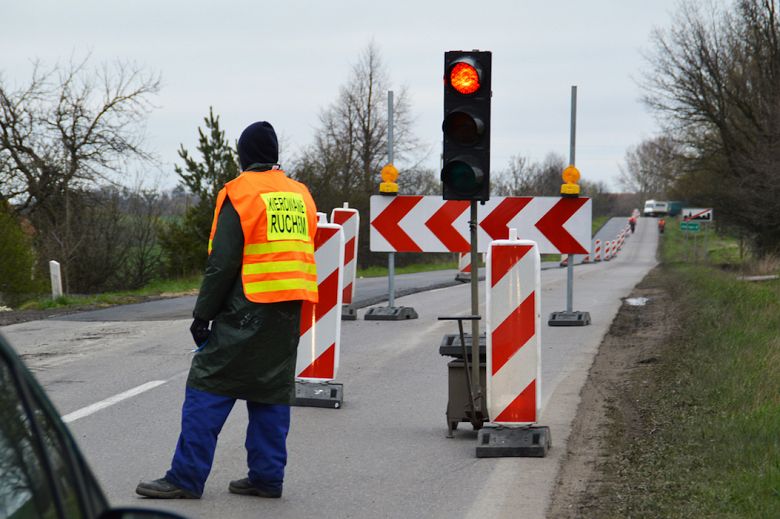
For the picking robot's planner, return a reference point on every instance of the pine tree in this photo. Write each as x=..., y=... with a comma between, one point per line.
x=185, y=242
x=218, y=164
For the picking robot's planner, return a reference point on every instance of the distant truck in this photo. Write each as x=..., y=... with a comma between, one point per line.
x=662, y=208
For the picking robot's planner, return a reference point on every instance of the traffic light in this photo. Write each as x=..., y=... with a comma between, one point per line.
x=465, y=173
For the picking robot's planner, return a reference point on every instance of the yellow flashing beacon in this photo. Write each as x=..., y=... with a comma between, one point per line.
x=388, y=186
x=571, y=176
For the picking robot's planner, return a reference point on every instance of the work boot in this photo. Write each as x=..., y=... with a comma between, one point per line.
x=163, y=489
x=245, y=487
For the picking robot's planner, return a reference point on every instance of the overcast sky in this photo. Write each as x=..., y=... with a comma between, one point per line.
x=284, y=61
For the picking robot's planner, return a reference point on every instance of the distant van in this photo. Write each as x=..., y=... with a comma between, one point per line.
x=662, y=208
x=656, y=208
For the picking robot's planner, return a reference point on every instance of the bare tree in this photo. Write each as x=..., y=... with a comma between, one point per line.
x=715, y=79
x=351, y=145
x=650, y=168
x=526, y=178
x=419, y=181
x=70, y=127
x=144, y=258
x=517, y=179
x=350, y=148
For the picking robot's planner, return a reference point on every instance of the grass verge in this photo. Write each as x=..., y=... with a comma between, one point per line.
x=155, y=289
x=709, y=411
x=377, y=271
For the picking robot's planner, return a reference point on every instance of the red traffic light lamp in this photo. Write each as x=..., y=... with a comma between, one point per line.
x=464, y=77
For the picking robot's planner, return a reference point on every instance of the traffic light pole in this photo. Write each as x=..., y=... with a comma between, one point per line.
x=475, y=357
x=391, y=255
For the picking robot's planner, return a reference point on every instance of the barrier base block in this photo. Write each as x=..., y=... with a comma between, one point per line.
x=463, y=277
x=390, y=313
x=504, y=442
x=348, y=313
x=569, y=318
x=318, y=394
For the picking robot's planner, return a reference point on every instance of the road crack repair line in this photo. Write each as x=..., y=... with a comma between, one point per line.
x=97, y=406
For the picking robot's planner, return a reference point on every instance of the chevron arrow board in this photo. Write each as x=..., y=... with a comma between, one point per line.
x=412, y=223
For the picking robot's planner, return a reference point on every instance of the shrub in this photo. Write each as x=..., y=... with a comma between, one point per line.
x=17, y=259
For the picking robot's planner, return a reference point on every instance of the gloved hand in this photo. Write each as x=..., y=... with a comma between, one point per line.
x=200, y=331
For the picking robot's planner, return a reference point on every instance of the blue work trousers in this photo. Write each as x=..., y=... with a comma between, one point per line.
x=202, y=418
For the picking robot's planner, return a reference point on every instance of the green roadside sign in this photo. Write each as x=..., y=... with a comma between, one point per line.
x=690, y=226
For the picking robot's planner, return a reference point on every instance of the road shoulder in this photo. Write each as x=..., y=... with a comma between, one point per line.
x=607, y=416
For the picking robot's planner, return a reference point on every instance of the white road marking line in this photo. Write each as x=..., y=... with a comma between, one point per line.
x=97, y=406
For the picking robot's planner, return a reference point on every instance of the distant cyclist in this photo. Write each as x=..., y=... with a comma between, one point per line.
x=661, y=225
x=632, y=223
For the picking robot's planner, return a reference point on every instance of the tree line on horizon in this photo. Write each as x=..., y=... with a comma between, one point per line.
x=65, y=136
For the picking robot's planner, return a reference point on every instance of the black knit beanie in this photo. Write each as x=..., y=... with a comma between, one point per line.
x=258, y=145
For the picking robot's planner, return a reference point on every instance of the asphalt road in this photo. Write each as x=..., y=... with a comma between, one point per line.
x=368, y=291
x=384, y=454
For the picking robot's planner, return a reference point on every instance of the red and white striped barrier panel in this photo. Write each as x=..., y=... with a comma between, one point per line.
x=318, y=349
x=464, y=266
x=349, y=219
x=607, y=250
x=564, y=260
x=597, y=250
x=514, y=345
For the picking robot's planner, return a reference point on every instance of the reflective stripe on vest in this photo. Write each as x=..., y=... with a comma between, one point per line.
x=279, y=246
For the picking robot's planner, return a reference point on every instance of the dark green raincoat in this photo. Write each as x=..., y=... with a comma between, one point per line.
x=251, y=351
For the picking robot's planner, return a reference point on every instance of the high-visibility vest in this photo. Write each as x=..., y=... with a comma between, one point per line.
x=279, y=221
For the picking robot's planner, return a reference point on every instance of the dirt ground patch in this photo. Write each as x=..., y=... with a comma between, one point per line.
x=609, y=410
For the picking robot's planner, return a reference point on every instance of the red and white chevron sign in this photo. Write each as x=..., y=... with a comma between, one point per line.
x=414, y=223
x=318, y=349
